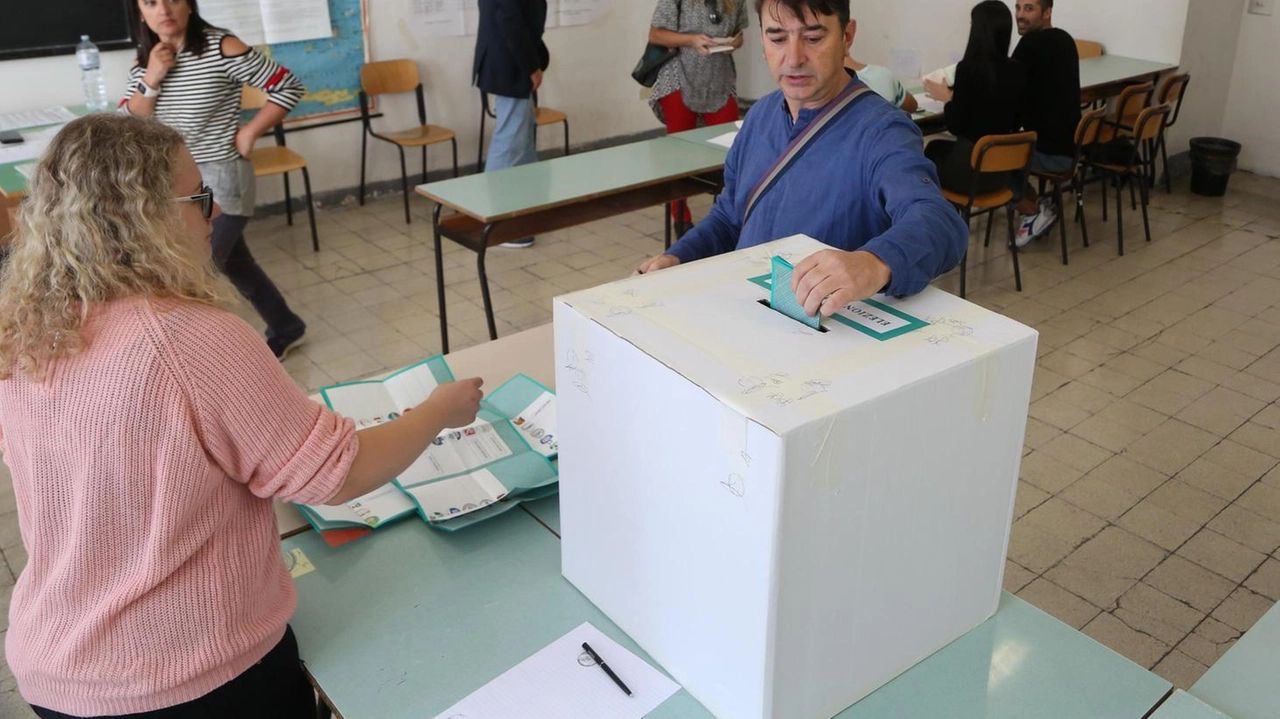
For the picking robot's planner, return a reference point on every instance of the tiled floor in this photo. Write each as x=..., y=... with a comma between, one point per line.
x=1148, y=514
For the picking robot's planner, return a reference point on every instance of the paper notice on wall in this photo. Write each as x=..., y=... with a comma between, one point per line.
x=437, y=18
x=242, y=17
x=264, y=22
x=575, y=12
x=295, y=20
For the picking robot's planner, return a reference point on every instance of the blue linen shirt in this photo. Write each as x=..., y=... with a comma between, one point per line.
x=863, y=184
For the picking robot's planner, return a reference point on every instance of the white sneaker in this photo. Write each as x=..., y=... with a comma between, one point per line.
x=1045, y=219
x=1024, y=230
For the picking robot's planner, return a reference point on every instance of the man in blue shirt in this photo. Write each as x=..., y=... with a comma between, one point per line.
x=863, y=186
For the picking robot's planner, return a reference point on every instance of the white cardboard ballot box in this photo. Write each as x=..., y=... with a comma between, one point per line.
x=786, y=518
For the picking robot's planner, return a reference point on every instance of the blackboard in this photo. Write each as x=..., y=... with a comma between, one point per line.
x=54, y=27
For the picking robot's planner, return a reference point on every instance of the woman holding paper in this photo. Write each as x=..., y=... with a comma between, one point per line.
x=701, y=80
x=189, y=76
x=148, y=431
x=983, y=100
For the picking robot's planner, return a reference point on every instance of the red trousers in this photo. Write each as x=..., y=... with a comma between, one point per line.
x=680, y=118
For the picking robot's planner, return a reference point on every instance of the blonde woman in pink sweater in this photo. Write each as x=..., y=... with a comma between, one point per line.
x=147, y=431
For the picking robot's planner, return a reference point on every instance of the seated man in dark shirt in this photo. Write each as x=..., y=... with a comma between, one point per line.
x=1050, y=105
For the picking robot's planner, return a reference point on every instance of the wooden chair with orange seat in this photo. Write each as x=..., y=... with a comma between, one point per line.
x=1122, y=171
x=280, y=160
x=392, y=77
x=543, y=116
x=998, y=154
x=1089, y=48
x=1086, y=137
x=1171, y=92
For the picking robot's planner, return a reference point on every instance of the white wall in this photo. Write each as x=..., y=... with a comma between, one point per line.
x=1209, y=54
x=589, y=79
x=1253, y=103
x=1147, y=29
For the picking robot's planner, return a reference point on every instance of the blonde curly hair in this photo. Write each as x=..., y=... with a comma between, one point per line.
x=99, y=224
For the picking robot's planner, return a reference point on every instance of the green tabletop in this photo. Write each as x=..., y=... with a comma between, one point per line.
x=1184, y=706
x=1020, y=663
x=501, y=195
x=408, y=621
x=1245, y=682
x=12, y=182
x=1098, y=71
x=546, y=511
x=703, y=135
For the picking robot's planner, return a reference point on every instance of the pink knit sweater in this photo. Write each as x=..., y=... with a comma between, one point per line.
x=144, y=469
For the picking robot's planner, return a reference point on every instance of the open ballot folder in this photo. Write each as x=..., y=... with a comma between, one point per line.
x=467, y=474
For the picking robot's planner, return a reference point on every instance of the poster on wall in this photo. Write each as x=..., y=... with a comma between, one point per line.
x=268, y=22
x=455, y=18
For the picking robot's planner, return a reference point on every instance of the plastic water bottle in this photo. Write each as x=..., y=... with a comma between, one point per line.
x=95, y=88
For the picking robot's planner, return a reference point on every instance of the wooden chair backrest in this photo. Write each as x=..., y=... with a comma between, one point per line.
x=1133, y=98
x=1150, y=122
x=1089, y=48
x=389, y=76
x=1003, y=153
x=1171, y=93
x=1089, y=127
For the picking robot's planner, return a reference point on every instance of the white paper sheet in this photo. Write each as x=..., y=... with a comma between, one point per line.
x=725, y=140
x=456, y=451
x=374, y=508
x=537, y=425
x=573, y=12
x=294, y=20
x=945, y=75
x=457, y=496
x=721, y=48
x=561, y=682
x=928, y=104
x=36, y=118
x=32, y=146
x=437, y=18
x=242, y=17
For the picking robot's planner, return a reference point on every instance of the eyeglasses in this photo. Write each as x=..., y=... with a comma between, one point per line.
x=713, y=13
x=204, y=197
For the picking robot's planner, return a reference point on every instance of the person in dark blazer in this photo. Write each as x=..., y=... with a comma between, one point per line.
x=510, y=59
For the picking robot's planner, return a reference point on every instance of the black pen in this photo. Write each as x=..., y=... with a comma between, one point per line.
x=600, y=662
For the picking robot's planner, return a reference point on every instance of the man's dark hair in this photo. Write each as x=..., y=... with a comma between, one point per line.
x=839, y=8
x=1045, y=4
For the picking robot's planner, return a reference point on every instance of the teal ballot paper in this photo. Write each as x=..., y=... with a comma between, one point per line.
x=783, y=299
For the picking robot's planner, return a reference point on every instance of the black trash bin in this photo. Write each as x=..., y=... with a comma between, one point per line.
x=1213, y=159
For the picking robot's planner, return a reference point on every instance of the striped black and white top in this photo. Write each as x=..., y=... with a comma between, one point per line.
x=200, y=96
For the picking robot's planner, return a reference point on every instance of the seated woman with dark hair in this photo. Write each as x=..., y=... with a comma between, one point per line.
x=983, y=101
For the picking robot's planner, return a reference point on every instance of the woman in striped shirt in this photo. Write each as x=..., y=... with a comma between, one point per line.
x=189, y=76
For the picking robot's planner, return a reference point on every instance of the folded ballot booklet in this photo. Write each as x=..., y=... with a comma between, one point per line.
x=467, y=474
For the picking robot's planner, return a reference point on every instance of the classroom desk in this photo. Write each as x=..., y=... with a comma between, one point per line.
x=1182, y=705
x=496, y=362
x=13, y=185
x=1245, y=682
x=1106, y=76
x=491, y=208
x=408, y=621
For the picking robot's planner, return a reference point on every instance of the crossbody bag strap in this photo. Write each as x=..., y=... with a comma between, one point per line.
x=797, y=147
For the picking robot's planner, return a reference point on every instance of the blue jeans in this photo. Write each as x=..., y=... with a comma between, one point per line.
x=1040, y=162
x=514, y=142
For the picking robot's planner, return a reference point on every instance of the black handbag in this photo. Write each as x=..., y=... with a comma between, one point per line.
x=654, y=57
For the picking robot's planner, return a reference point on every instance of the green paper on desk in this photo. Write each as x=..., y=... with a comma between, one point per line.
x=783, y=299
